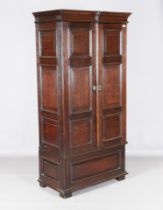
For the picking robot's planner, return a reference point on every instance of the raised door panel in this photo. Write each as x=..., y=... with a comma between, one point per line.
x=111, y=129
x=81, y=74
x=81, y=132
x=80, y=89
x=111, y=86
x=80, y=42
x=80, y=39
x=111, y=42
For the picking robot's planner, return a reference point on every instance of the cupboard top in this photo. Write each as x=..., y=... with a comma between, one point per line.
x=81, y=16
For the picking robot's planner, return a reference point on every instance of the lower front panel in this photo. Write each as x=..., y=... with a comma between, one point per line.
x=103, y=166
x=95, y=166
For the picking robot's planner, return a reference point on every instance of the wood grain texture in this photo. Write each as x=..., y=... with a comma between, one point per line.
x=50, y=170
x=81, y=71
x=111, y=86
x=49, y=88
x=50, y=132
x=47, y=39
x=80, y=89
x=111, y=126
x=95, y=166
x=81, y=132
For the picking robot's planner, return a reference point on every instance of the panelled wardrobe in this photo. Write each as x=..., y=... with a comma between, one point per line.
x=81, y=71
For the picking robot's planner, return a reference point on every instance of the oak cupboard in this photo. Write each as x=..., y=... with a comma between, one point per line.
x=81, y=68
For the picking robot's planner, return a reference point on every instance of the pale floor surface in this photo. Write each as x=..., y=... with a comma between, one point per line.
x=142, y=189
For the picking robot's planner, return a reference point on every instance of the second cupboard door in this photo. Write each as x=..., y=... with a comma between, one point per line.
x=112, y=85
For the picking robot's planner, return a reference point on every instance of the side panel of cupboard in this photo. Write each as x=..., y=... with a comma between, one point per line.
x=49, y=102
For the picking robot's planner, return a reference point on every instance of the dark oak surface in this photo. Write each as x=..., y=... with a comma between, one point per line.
x=81, y=69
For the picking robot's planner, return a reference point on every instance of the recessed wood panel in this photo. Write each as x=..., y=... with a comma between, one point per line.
x=80, y=89
x=50, y=132
x=111, y=86
x=81, y=130
x=95, y=166
x=47, y=43
x=80, y=41
x=111, y=42
x=50, y=169
x=49, y=88
x=49, y=153
x=111, y=127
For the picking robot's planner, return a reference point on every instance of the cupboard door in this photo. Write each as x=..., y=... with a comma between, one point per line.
x=112, y=85
x=81, y=78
